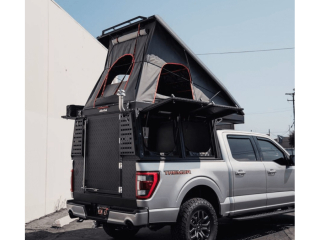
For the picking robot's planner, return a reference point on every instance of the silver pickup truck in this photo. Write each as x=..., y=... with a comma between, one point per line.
x=220, y=173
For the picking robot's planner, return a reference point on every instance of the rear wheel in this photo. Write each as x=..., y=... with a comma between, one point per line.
x=119, y=231
x=197, y=220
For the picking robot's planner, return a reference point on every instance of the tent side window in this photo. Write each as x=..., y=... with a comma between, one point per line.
x=117, y=76
x=175, y=79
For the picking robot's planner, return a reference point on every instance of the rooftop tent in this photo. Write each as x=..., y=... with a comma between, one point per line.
x=151, y=63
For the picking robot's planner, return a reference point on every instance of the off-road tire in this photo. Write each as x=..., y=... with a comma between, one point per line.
x=180, y=230
x=118, y=232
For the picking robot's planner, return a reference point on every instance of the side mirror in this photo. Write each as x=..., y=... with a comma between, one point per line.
x=291, y=160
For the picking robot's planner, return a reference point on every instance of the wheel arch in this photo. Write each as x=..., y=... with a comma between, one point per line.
x=201, y=187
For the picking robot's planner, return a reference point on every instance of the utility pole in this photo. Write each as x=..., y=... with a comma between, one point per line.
x=294, y=118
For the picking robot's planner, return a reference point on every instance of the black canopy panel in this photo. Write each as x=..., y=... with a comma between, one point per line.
x=192, y=108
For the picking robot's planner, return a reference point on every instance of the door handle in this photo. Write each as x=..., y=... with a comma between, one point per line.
x=272, y=172
x=240, y=173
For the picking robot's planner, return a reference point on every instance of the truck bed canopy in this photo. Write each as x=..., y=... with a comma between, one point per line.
x=156, y=65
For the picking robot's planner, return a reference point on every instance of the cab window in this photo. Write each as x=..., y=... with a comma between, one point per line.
x=270, y=152
x=241, y=148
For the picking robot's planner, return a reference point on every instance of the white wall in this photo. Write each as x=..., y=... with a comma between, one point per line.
x=63, y=63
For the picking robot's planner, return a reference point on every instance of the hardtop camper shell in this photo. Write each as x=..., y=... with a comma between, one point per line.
x=152, y=90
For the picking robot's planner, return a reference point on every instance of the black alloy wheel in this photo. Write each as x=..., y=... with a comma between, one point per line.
x=197, y=220
x=200, y=225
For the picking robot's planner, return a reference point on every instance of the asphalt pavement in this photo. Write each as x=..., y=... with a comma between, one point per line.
x=271, y=228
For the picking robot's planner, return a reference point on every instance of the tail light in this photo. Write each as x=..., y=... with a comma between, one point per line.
x=71, y=189
x=146, y=184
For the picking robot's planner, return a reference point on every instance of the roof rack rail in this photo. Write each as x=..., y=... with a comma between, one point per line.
x=118, y=25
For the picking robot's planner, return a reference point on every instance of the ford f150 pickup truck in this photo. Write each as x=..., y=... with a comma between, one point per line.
x=224, y=173
x=146, y=151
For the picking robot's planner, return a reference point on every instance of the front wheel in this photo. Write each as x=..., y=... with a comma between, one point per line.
x=197, y=220
x=119, y=232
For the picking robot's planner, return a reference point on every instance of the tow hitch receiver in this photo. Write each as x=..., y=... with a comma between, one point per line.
x=103, y=211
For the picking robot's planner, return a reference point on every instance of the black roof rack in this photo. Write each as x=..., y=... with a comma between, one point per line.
x=129, y=22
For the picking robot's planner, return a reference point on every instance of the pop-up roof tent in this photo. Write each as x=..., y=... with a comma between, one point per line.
x=153, y=65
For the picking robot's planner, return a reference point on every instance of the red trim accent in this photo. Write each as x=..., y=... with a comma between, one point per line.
x=135, y=45
x=156, y=179
x=134, y=53
x=133, y=62
x=71, y=189
x=160, y=75
x=105, y=79
x=103, y=107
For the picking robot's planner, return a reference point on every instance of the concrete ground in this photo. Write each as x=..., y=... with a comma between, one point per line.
x=271, y=228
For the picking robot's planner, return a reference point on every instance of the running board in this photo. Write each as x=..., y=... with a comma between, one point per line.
x=262, y=215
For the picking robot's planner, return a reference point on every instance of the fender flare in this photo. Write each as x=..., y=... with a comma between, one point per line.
x=197, y=181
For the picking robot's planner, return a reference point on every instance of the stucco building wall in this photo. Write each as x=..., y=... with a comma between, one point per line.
x=63, y=62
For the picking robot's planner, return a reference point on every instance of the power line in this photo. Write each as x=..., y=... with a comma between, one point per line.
x=248, y=51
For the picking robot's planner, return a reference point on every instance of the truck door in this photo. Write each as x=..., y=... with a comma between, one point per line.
x=280, y=177
x=248, y=174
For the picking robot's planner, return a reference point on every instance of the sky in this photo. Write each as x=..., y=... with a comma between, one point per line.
x=258, y=81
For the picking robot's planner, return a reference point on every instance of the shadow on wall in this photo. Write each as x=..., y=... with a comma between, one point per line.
x=59, y=204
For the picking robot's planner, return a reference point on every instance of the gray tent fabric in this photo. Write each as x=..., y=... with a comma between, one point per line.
x=149, y=77
x=153, y=53
x=136, y=47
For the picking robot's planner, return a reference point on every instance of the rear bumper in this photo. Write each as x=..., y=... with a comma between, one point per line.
x=138, y=217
